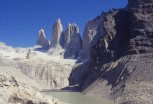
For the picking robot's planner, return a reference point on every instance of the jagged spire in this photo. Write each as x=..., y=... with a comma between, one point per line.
x=57, y=33
x=73, y=42
x=42, y=41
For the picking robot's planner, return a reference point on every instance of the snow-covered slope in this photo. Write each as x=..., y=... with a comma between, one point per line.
x=31, y=71
x=51, y=71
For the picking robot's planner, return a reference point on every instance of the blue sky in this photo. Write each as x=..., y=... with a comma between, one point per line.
x=20, y=20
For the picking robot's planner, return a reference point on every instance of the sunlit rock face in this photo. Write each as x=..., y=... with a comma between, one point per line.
x=57, y=41
x=57, y=34
x=93, y=31
x=73, y=42
x=42, y=41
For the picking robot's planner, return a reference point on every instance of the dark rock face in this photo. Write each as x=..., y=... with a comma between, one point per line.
x=138, y=3
x=141, y=31
x=115, y=39
x=122, y=59
x=79, y=74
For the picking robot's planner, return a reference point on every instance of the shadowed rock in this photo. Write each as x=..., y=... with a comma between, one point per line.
x=73, y=42
x=122, y=59
x=141, y=31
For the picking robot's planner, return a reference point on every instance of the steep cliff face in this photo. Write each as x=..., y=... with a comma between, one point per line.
x=93, y=31
x=141, y=38
x=57, y=34
x=73, y=41
x=42, y=41
x=115, y=39
x=121, y=61
x=51, y=74
x=107, y=48
x=57, y=41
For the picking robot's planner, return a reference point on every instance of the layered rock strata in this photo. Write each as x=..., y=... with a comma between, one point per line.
x=141, y=18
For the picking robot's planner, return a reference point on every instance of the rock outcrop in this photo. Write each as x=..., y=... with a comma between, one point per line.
x=73, y=42
x=93, y=31
x=57, y=34
x=121, y=61
x=141, y=18
x=42, y=41
x=57, y=41
x=115, y=39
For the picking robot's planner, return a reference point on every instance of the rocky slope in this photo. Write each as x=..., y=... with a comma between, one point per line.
x=141, y=26
x=121, y=61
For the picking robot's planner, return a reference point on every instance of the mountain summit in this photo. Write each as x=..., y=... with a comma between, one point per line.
x=42, y=41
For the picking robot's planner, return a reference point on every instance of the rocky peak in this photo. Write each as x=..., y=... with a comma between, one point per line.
x=71, y=31
x=42, y=41
x=73, y=42
x=57, y=34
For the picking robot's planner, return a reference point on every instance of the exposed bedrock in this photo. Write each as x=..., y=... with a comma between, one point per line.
x=122, y=59
x=92, y=32
x=57, y=34
x=141, y=31
x=42, y=41
x=73, y=41
x=109, y=47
